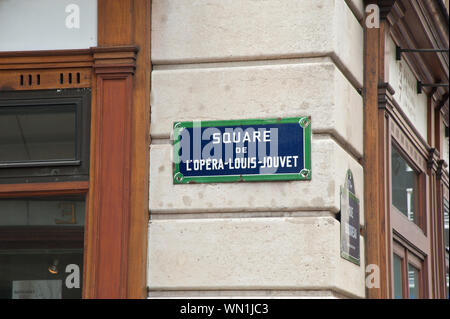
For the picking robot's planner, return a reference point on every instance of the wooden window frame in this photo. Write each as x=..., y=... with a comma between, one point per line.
x=117, y=190
x=399, y=20
x=413, y=238
x=396, y=131
x=419, y=264
x=400, y=252
x=38, y=236
x=76, y=168
x=43, y=236
x=419, y=201
x=410, y=255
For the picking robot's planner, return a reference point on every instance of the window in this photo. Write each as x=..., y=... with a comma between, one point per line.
x=41, y=247
x=407, y=179
x=44, y=135
x=44, y=173
x=37, y=135
x=404, y=186
x=408, y=220
x=407, y=190
x=408, y=277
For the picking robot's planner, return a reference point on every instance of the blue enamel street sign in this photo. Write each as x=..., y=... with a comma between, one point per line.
x=242, y=150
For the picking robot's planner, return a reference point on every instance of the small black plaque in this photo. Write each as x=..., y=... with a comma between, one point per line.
x=349, y=221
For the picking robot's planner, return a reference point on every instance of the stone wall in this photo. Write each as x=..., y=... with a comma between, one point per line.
x=239, y=59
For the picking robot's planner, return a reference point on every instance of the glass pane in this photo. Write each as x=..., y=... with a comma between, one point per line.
x=37, y=133
x=40, y=274
x=41, y=247
x=398, y=279
x=413, y=279
x=67, y=211
x=404, y=186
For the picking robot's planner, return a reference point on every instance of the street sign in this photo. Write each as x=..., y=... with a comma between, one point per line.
x=242, y=150
x=350, y=221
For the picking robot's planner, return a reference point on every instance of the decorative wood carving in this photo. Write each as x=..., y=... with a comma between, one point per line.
x=402, y=129
x=111, y=176
x=39, y=70
x=118, y=219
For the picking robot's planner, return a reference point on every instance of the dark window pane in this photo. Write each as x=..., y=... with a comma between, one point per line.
x=42, y=212
x=413, y=278
x=40, y=273
x=37, y=133
x=41, y=247
x=404, y=186
x=398, y=278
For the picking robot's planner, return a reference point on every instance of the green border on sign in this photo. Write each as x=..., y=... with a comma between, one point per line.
x=350, y=258
x=304, y=174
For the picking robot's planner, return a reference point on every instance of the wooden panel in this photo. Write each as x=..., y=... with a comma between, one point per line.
x=408, y=230
x=115, y=22
x=109, y=218
x=112, y=184
x=137, y=262
x=440, y=193
x=386, y=149
x=27, y=237
x=374, y=250
x=438, y=233
x=45, y=70
x=117, y=220
x=381, y=170
x=42, y=189
x=28, y=59
x=41, y=79
x=406, y=134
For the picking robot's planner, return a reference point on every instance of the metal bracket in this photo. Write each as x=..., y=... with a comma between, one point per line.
x=399, y=51
x=420, y=85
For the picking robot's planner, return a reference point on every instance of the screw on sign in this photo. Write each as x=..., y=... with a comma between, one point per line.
x=242, y=150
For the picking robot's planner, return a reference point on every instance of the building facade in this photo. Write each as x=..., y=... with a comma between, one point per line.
x=90, y=98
